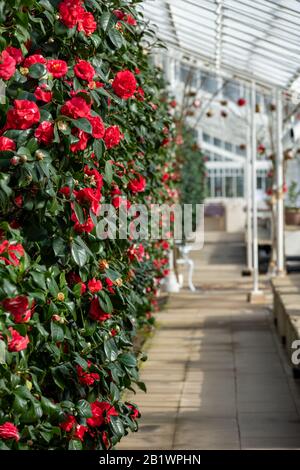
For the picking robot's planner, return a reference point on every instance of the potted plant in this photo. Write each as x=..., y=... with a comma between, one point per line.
x=292, y=210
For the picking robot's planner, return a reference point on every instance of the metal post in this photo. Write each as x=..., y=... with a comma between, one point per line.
x=280, y=182
x=255, y=290
x=248, y=179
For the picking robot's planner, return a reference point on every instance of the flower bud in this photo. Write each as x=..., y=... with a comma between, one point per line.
x=24, y=71
x=39, y=155
x=62, y=125
x=118, y=282
x=23, y=158
x=103, y=264
x=60, y=296
x=15, y=161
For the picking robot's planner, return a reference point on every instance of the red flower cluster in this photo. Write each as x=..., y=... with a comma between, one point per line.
x=96, y=313
x=112, y=137
x=102, y=412
x=94, y=285
x=72, y=13
x=16, y=53
x=70, y=424
x=17, y=342
x=124, y=84
x=18, y=307
x=43, y=94
x=6, y=144
x=84, y=70
x=7, y=65
x=76, y=107
x=9, y=431
x=34, y=59
x=137, y=185
x=87, y=378
x=136, y=252
x=58, y=68
x=12, y=251
x=23, y=115
x=74, y=278
x=45, y=132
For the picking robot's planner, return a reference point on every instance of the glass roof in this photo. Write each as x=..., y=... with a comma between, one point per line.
x=258, y=39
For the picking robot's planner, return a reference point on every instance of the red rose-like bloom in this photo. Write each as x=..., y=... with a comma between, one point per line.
x=124, y=84
x=86, y=227
x=119, y=14
x=7, y=65
x=76, y=108
x=96, y=313
x=94, y=285
x=130, y=20
x=18, y=307
x=70, y=12
x=82, y=142
x=87, y=23
x=17, y=342
x=140, y=94
x=68, y=424
x=134, y=414
x=58, y=68
x=102, y=411
x=137, y=185
x=42, y=94
x=74, y=278
x=112, y=137
x=98, y=129
x=6, y=144
x=45, y=132
x=80, y=432
x=16, y=53
x=23, y=115
x=9, y=431
x=87, y=378
x=109, y=285
x=94, y=176
x=84, y=70
x=13, y=252
x=136, y=252
x=34, y=59
x=90, y=198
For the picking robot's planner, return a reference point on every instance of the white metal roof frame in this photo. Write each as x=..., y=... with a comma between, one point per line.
x=254, y=40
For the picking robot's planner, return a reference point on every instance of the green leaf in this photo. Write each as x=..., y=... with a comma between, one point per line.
x=47, y=5
x=116, y=426
x=57, y=332
x=83, y=124
x=110, y=350
x=79, y=254
x=98, y=148
x=39, y=279
x=116, y=38
x=108, y=172
x=49, y=407
x=128, y=359
x=114, y=392
x=79, y=212
x=75, y=444
x=84, y=409
x=37, y=70
x=106, y=21
x=105, y=302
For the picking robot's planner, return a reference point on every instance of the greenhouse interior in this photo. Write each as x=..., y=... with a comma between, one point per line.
x=149, y=226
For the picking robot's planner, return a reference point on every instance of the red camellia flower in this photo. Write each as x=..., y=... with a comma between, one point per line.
x=74, y=278
x=134, y=414
x=94, y=177
x=140, y=94
x=18, y=200
x=90, y=198
x=9, y=431
x=98, y=129
x=109, y=285
x=124, y=84
x=18, y=307
x=70, y=12
x=80, y=432
x=6, y=144
x=87, y=23
x=45, y=132
x=241, y=102
x=94, y=285
x=83, y=138
x=173, y=103
x=17, y=342
x=112, y=136
x=137, y=185
x=96, y=313
x=13, y=252
x=136, y=252
x=87, y=378
x=119, y=14
x=34, y=59
x=84, y=70
x=58, y=68
x=23, y=115
x=42, y=94
x=68, y=424
x=16, y=53
x=7, y=65
x=76, y=108
x=102, y=412
x=130, y=20
x=86, y=227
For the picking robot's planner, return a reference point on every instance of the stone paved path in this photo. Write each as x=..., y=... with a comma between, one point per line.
x=216, y=375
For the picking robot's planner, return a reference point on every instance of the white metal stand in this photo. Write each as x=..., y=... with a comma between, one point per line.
x=185, y=260
x=280, y=182
x=171, y=283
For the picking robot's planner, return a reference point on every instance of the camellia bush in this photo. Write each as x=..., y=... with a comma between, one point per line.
x=82, y=124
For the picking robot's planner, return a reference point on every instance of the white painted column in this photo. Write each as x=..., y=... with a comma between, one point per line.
x=253, y=184
x=279, y=184
x=248, y=188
